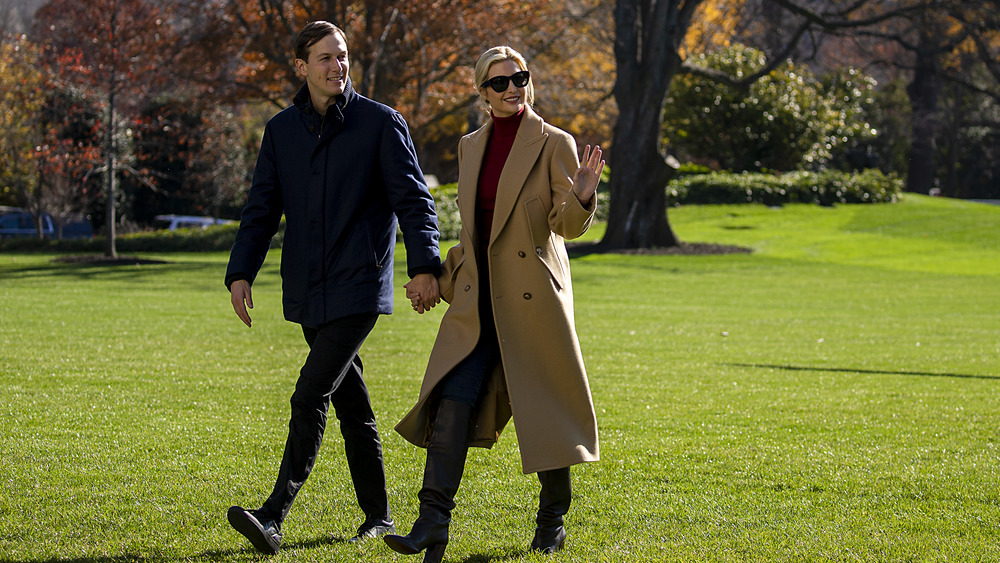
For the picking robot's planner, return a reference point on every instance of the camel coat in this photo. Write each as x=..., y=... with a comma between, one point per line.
x=541, y=381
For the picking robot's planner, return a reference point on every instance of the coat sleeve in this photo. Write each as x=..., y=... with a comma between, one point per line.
x=410, y=199
x=569, y=218
x=260, y=219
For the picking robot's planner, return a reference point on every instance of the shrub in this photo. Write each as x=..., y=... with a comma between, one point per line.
x=823, y=188
x=787, y=120
x=446, y=203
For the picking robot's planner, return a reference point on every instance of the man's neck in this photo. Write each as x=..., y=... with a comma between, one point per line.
x=321, y=105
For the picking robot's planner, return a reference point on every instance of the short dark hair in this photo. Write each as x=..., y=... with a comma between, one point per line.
x=311, y=34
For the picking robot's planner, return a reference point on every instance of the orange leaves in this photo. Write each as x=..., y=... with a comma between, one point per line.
x=713, y=26
x=21, y=98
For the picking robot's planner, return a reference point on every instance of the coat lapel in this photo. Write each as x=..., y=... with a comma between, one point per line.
x=527, y=147
x=468, y=176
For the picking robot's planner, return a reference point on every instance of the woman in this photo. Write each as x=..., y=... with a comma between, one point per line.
x=507, y=345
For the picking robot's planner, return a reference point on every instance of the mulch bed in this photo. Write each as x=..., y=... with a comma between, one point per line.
x=683, y=249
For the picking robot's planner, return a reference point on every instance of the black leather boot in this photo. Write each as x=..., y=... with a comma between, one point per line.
x=553, y=504
x=446, y=453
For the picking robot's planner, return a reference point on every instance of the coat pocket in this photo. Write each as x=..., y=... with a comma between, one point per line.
x=449, y=278
x=541, y=240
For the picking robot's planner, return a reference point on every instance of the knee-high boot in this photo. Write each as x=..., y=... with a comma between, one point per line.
x=553, y=504
x=446, y=454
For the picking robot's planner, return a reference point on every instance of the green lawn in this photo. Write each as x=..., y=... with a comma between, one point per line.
x=833, y=396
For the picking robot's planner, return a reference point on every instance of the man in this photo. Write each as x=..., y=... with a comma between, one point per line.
x=342, y=169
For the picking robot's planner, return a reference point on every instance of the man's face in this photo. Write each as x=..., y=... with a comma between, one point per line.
x=327, y=68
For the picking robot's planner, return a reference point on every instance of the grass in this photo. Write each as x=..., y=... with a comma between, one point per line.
x=834, y=396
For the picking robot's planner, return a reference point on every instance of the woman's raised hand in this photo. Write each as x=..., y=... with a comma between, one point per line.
x=588, y=175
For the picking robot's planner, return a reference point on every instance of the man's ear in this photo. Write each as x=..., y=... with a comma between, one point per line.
x=300, y=67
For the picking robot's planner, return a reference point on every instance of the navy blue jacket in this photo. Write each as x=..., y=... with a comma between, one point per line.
x=341, y=181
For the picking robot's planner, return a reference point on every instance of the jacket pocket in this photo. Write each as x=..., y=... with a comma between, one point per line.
x=541, y=240
x=376, y=251
x=381, y=249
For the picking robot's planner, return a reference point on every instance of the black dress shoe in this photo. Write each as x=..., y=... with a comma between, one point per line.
x=264, y=534
x=548, y=542
x=372, y=530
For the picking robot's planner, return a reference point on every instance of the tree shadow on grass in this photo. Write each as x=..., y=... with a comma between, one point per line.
x=101, y=260
x=868, y=371
x=129, y=269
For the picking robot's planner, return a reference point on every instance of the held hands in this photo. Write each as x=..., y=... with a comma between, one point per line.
x=242, y=299
x=588, y=175
x=423, y=292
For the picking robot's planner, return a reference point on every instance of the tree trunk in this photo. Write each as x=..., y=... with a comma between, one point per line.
x=952, y=139
x=639, y=174
x=923, y=94
x=647, y=36
x=111, y=250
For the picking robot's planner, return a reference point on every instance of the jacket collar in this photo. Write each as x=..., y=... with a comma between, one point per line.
x=532, y=126
x=523, y=154
x=303, y=101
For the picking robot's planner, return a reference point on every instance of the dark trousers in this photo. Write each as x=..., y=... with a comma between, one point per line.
x=464, y=383
x=332, y=374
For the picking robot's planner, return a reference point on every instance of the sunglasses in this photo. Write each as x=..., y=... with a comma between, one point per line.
x=499, y=83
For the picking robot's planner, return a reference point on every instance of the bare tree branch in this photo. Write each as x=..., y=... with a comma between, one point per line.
x=742, y=83
x=842, y=19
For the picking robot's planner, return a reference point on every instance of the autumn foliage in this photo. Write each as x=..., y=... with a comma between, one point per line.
x=166, y=100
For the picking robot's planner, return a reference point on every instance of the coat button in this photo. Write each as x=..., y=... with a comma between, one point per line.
x=527, y=296
x=468, y=287
x=538, y=250
x=520, y=253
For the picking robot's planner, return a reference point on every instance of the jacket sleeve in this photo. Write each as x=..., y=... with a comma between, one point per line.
x=569, y=218
x=410, y=199
x=260, y=219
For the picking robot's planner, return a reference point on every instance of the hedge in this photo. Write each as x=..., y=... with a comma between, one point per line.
x=690, y=187
x=217, y=237
x=824, y=188
x=446, y=202
x=214, y=238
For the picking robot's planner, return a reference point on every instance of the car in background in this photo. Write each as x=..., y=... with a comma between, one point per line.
x=174, y=222
x=18, y=223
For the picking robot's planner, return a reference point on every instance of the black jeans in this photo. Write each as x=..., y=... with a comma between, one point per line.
x=332, y=374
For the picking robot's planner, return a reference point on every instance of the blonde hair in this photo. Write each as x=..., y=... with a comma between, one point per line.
x=498, y=55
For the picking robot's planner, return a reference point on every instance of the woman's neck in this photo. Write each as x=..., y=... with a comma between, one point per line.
x=507, y=125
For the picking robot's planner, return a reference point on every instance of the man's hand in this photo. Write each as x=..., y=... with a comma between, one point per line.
x=242, y=299
x=423, y=292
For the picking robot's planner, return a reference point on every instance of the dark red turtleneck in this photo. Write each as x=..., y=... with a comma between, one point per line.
x=497, y=151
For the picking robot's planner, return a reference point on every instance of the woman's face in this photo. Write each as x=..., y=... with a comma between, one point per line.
x=511, y=100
